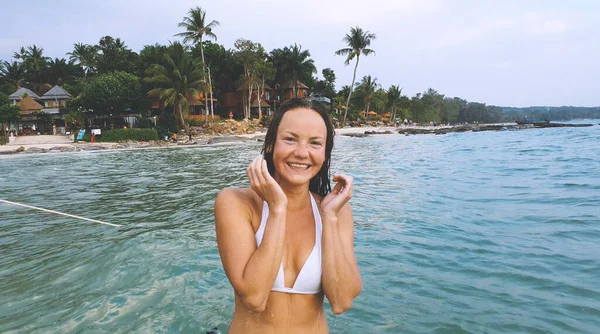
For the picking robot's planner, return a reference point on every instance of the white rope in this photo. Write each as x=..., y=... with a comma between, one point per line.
x=59, y=213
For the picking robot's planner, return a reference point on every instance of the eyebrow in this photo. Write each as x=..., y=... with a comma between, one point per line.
x=296, y=135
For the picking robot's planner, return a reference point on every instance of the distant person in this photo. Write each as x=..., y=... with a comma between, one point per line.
x=288, y=240
x=174, y=137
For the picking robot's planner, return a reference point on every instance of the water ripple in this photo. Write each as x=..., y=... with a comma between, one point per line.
x=463, y=233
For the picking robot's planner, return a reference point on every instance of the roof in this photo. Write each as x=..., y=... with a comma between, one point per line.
x=290, y=85
x=56, y=92
x=22, y=91
x=254, y=103
x=244, y=86
x=29, y=105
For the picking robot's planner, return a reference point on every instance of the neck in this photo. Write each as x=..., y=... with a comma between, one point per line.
x=297, y=196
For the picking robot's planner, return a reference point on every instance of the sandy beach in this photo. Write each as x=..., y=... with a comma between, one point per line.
x=41, y=143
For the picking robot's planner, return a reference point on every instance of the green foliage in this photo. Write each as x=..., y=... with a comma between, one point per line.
x=9, y=113
x=293, y=63
x=144, y=123
x=3, y=140
x=165, y=124
x=195, y=121
x=113, y=55
x=111, y=93
x=326, y=87
x=564, y=113
x=122, y=135
x=265, y=121
x=176, y=77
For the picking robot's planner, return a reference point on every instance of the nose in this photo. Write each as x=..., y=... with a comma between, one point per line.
x=301, y=150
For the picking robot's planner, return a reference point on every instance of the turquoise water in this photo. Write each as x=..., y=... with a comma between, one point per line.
x=487, y=232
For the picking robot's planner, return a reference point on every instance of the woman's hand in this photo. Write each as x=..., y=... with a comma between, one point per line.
x=338, y=197
x=265, y=185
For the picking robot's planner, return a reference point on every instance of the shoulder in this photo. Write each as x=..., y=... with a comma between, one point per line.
x=243, y=200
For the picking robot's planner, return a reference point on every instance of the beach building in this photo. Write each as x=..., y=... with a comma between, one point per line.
x=22, y=93
x=41, y=114
x=235, y=102
x=196, y=106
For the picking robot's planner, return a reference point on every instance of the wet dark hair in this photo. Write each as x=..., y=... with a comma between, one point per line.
x=319, y=184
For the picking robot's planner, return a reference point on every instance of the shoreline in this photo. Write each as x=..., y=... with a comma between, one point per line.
x=229, y=139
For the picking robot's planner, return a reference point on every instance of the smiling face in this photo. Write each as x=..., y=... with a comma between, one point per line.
x=299, y=150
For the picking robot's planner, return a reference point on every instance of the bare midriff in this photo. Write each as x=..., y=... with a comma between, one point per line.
x=284, y=313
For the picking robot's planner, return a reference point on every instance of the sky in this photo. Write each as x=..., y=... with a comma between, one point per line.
x=506, y=53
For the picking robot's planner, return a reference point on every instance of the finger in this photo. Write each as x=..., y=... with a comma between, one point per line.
x=346, y=182
x=259, y=172
x=252, y=174
x=338, y=188
x=265, y=172
x=349, y=186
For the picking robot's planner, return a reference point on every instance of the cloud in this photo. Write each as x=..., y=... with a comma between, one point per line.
x=353, y=12
x=487, y=29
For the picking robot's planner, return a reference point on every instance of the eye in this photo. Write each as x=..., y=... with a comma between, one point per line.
x=317, y=143
x=290, y=139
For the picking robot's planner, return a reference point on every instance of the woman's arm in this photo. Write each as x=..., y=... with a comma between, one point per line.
x=251, y=270
x=341, y=277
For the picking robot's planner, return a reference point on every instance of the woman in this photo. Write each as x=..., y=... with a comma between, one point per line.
x=288, y=240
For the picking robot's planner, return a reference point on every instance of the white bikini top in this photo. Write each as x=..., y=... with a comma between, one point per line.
x=308, y=281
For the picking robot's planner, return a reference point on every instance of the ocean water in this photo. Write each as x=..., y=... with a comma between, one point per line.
x=486, y=232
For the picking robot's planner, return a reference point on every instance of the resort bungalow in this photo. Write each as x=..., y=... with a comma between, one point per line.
x=235, y=102
x=55, y=98
x=41, y=114
x=293, y=89
x=30, y=109
x=196, y=106
x=22, y=93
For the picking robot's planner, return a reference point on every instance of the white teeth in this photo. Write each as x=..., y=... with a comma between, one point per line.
x=298, y=165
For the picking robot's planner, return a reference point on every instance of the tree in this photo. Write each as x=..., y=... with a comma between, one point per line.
x=35, y=64
x=224, y=65
x=59, y=72
x=394, y=94
x=178, y=78
x=109, y=93
x=367, y=89
x=251, y=55
x=196, y=28
x=13, y=74
x=114, y=55
x=358, y=42
x=326, y=87
x=9, y=113
x=450, y=110
x=293, y=64
x=85, y=56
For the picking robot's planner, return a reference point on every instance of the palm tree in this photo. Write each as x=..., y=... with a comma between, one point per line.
x=195, y=29
x=293, y=63
x=394, y=95
x=85, y=55
x=367, y=89
x=358, y=43
x=60, y=72
x=178, y=78
x=13, y=73
x=35, y=64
